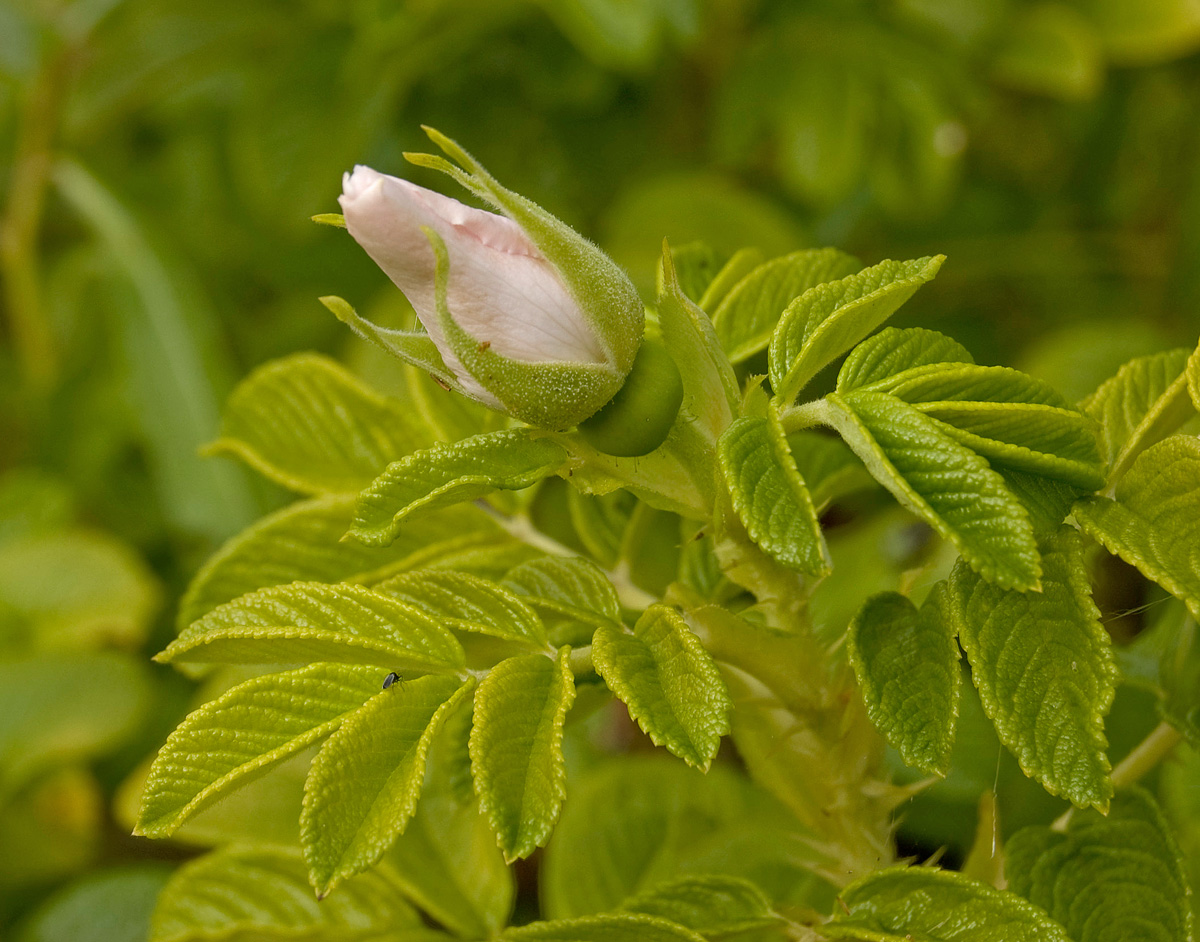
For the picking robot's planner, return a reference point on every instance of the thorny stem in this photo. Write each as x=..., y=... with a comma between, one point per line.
x=1144, y=757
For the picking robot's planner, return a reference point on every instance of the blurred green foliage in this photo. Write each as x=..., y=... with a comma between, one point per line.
x=160, y=160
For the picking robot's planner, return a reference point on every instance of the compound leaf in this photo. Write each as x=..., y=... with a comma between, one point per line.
x=468, y=603
x=230, y=741
x=364, y=783
x=1154, y=521
x=1044, y=668
x=302, y=543
x=906, y=662
x=669, y=682
x=1108, y=878
x=947, y=484
x=748, y=314
x=308, y=424
x=308, y=621
x=449, y=474
x=238, y=894
x=905, y=903
x=769, y=496
x=829, y=319
x=516, y=748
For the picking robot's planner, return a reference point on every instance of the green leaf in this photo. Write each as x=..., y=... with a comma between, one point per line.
x=567, y=591
x=1153, y=522
x=516, y=748
x=895, y=350
x=906, y=662
x=74, y=590
x=364, y=783
x=303, y=543
x=826, y=321
x=618, y=927
x=450, y=474
x=638, y=820
x=114, y=905
x=740, y=264
x=447, y=859
x=1108, y=878
x=45, y=722
x=1193, y=377
x=1012, y=419
x=600, y=522
x=945, y=483
x=1145, y=401
x=747, y=315
x=828, y=467
x=308, y=621
x=467, y=603
x=906, y=903
x=1050, y=49
x=769, y=496
x=243, y=734
x=669, y=682
x=308, y=424
x=696, y=265
x=710, y=905
x=240, y=894
x=1043, y=665
x=414, y=347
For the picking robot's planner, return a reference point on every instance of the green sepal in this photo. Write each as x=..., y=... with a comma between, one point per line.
x=412, y=346
x=639, y=417
x=549, y=395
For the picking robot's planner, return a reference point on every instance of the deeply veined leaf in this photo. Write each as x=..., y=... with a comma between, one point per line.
x=669, y=682
x=829, y=319
x=244, y=733
x=905, y=903
x=748, y=314
x=1146, y=400
x=239, y=894
x=1012, y=419
x=450, y=474
x=302, y=543
x=1107, y=879
x=1154, y=521
x=769, y=496
x=949, y=486
x=617, y=927
x=516, y=748
x=711, y=905
x=906, y=662
x=308, y=424
x=468, y=603
x=567, y=590
x=308, y=621
x=894, y=350
x=364, y=783
x=1043, y=665
x=828, y=467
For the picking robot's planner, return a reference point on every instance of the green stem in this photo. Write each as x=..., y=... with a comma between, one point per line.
x=804, y=416
x=1144, y=757
x=21, y=222
x=580, y=661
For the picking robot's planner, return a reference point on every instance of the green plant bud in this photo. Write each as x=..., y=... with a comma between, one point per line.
x=639, y=417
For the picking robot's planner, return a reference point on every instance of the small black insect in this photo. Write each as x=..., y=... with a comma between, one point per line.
x=390, y=679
